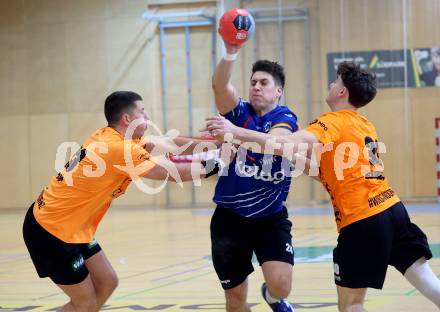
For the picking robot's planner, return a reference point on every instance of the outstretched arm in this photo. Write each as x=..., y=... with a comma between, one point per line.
x=162, y=145
x=283, y=145
x=186, y=172
x=224, y=92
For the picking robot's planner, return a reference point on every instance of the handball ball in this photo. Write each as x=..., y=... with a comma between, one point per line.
x=236, y=26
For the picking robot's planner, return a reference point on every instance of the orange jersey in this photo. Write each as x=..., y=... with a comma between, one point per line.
x=75, y=201
x=350, y=167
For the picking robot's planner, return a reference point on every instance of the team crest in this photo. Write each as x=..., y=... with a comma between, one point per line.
x=267, y=126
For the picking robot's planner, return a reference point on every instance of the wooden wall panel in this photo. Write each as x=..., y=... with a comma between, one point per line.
x=47, y=133
x=60, y=59
x=13, y=55
x=15, y=184
x=87, y=63
x=425, y=108
x=47, y=68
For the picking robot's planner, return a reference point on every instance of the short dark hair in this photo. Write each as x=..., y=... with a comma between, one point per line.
x=272, y=68
x=117, y=103
x=360, y=83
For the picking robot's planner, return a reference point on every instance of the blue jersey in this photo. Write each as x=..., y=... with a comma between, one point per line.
x=256, y=185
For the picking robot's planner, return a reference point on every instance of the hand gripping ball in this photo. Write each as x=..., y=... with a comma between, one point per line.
x=236, y=26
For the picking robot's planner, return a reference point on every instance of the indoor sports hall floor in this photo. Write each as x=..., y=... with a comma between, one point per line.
x=162, y=258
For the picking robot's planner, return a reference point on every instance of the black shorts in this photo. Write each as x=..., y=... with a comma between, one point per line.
x=64, y=263
x=234, y=238
x=366, y=248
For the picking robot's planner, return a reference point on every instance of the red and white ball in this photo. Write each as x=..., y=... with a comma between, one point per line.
x=236, y=26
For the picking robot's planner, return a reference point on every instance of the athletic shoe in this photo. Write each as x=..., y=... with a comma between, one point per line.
x=280, y=306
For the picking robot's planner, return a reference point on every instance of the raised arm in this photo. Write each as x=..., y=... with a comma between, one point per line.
x=225, y=94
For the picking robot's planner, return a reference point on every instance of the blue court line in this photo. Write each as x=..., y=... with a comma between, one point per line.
x=328, y=210
x=423, y=208
x=325, y=253
x=7, y=257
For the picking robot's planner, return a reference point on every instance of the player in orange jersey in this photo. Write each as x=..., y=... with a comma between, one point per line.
x=374, y=227
x=60, y=225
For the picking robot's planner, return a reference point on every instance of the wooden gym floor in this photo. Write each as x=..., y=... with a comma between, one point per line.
x=162, y=258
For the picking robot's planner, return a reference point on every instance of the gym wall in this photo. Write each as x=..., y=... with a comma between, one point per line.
x=60, y=59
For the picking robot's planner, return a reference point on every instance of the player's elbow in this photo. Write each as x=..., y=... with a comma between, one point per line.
x=214, y=84
x=218, y=86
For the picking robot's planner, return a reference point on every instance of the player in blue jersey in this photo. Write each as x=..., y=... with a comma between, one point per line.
x=250, y=216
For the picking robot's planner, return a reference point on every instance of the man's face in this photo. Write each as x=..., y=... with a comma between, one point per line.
x=335, y=91
x=263, y=91
x=139, y=113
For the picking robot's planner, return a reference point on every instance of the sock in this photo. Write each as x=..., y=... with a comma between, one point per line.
x=420, y=275
x=269, y=298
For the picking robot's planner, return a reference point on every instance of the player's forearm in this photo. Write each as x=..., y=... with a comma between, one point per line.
x=284, y=145
x=308, y=166
x=195, y=145
x=189, y=172
x=176, y=145
x=222, y=75
x=187, y=143
x=259, y=142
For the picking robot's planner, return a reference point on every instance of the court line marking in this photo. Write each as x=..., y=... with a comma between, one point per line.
x=183, y=272
x=161, y=286
x=129, y=276
x=414, y=290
